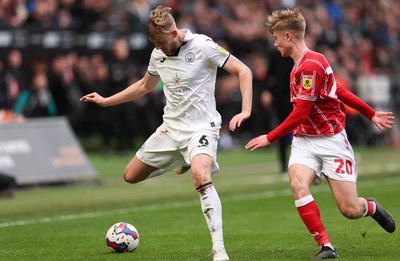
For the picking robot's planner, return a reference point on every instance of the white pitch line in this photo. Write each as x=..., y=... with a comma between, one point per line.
x=238, y=198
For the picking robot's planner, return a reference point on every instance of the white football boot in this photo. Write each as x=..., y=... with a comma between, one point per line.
x=182, y=169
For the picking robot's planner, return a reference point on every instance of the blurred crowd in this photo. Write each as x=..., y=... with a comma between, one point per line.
x=360, y=39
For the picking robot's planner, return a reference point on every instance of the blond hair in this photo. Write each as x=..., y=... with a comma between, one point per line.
x=160, y=21
x=287, y=20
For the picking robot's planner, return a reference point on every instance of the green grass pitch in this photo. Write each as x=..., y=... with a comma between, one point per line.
x=260, y=220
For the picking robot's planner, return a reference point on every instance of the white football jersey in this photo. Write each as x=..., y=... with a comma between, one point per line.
x=189, y=83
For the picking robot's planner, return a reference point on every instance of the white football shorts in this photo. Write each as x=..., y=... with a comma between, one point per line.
x=330, y=155
x=167, y=149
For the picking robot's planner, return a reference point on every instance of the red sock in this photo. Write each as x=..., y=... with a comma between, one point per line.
x=310, y=215
x=370, y=207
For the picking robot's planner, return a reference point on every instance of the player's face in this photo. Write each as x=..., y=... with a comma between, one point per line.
x=281, y=43
x=166, y=42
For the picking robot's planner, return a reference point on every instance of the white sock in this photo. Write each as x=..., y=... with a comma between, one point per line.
x=212, y=211
x=329, y=245
x=365, y=206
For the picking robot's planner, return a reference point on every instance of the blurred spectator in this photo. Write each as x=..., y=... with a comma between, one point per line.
x=14, y=79
x=85, y=73
x=72, y=91
x=65, y=20
x=260, y=117
x=123, y=116
x=38, y=65
x=56, y=83
x=13, y=13
x=94, y=14
x=276, y=97
x=37, y=101
x=3, y=92
x=138, y=12
x=94, y=76
x=66, y=89
x=41, y=13
x=228, y=95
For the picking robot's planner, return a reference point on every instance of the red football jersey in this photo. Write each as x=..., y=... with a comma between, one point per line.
x=312, y=79
x=316, y=99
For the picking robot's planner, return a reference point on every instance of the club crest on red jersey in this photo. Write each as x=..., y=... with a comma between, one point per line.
x=307, y=81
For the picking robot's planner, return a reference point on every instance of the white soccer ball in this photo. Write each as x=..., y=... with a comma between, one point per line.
x=122, y=237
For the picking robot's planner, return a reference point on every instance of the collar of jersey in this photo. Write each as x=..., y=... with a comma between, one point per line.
x=188, y=37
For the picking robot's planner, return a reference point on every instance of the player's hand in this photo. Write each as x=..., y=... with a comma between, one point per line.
x=383, y=120
x=259, y=142
x=95, y=98
x=237, y=120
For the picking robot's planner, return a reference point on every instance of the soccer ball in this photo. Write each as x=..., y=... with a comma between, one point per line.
x=122, y=237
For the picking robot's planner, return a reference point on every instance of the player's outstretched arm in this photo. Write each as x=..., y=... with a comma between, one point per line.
x=132, y=92
x=235, y=66
x=383, y=120
x=259, y=142
x=95, y=98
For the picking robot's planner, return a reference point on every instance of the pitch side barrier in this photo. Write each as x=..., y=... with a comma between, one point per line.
x=43, y=151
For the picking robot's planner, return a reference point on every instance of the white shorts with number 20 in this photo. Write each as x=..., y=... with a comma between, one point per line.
x=331, y=155
x=167, y=149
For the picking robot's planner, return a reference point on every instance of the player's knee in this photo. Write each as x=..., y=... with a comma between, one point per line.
x=300, y=189
x=200, y=177
x=129, y=177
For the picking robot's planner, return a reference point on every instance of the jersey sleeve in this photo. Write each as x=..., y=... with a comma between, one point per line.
x=214, y=53
x=297, y=116
x=351, y=100
x=152, y=69
x=309, y=84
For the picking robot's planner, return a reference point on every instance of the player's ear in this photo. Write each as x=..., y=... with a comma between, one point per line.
x=174, y=32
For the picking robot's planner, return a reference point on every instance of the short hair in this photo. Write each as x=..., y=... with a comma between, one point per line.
x=160, y=21
x=287, y=20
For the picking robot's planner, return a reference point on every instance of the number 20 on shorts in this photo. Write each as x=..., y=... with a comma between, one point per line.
x=345, y=166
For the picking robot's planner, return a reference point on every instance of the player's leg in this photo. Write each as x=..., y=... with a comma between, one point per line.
x=157, y=155
x=341, y=172
x=354, y=207
x=305, y=169
x=201, y=153
x=137, y=171
x=347, y=200
x=201, y=166
x=301, y=178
